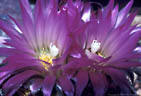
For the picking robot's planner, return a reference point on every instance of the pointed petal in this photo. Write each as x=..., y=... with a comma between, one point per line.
x=6, y=51
x=27, y=28
x=87, y=13
x=48, y=85
x=81, y=82
x=8, y=29
x=128, y=47
x=109, y=7
x=99, y=83
x=39, y=22
x=12, y=85
x=123, y=13
x=122, y=82
x=126, y=64
x=26, y=5
x=114, y=15
x=13, y=64
x=66, y=85
x=18, y=24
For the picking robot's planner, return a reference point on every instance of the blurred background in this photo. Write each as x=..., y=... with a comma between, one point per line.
x=11, y=7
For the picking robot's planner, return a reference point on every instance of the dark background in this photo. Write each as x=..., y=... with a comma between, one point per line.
x=122, y=3
x=137, y=3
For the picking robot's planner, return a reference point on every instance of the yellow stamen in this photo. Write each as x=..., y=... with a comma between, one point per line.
x=47, y=55
x=46, y=58
x=100, y=54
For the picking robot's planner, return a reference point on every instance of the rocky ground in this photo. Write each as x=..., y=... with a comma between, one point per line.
x=137, y=84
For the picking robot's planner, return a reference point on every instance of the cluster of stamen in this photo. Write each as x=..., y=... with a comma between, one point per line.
x=95, y=47
x=47, y=55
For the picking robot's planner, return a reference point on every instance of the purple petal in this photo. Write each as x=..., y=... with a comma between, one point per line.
x=26, y=5
x=123, y=13
x=27, y=28
x=94, y=57
x=39, y=22
x=87, y=13
x=4, y=76
x=66, y=85
x=81, y=82
x=109, y=7
x=99, y=83
x=18, y=24
x=8, y=29
x=6, y=51
x=16, y=81
x=19, y=46
x=48, y=85
x=121, y=39
x=14, y=64
x=78, y=63
x=125, y=64
x=118, y=76
x=128, y=47
x=114, y=14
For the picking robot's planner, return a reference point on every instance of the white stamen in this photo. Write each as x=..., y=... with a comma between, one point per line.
x=54, y=51
x=95, y=46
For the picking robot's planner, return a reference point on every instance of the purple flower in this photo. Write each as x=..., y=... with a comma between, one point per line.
x=69, y=46
x=107, y=50
x=37, y=49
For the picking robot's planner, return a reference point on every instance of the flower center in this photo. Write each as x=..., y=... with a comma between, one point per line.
x=95, y=46
x=48, y=56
